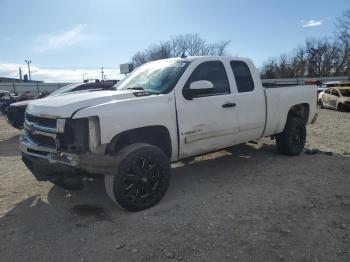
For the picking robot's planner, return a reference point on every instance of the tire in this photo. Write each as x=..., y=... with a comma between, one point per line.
x=292, y=140
x=320, y=103
x=141, y=179
x=340, y=107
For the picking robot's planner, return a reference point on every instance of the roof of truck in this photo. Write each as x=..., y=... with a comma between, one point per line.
x=192, y=58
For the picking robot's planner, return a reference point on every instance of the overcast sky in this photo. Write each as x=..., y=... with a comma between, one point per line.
x=67, y=38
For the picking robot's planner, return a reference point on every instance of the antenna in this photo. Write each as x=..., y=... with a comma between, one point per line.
x=183, y=55
x=20, y=73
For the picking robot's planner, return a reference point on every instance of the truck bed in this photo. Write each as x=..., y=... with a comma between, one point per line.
x=279, y=101
x=277, y=85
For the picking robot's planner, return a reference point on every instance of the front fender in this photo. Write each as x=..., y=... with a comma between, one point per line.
x=119, y=116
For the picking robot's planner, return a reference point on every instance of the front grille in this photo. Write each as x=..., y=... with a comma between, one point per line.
x=29, y=150
x=41, y=121
x=42, y=140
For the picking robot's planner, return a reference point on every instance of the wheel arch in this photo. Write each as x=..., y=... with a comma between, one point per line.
x=156, y=135
x=300, y=110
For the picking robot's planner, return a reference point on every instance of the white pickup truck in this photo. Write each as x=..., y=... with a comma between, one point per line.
x=164, y=111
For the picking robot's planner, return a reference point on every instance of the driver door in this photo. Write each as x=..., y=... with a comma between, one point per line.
x=207, y=121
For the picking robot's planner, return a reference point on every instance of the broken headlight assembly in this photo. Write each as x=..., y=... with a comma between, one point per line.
x=60, y=124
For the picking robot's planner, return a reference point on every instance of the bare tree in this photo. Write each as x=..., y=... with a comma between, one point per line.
x=317, y=57
x=189, y=44
x=343, y=24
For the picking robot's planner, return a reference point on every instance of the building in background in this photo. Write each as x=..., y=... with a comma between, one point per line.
x=17, y=80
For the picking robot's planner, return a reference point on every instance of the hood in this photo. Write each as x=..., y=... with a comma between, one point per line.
x=22, y=103
x=63, y=106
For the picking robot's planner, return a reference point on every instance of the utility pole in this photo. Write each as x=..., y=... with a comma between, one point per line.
x=28, y=63
x=101, y=73
x=20, y=73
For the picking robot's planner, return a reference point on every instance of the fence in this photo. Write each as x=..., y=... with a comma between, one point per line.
x=31, y=87
x=301, y=81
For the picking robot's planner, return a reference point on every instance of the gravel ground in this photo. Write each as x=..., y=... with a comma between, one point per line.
x=244, y=204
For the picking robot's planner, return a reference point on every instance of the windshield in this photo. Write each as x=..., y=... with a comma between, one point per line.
x=345, y=92
x=156, y=77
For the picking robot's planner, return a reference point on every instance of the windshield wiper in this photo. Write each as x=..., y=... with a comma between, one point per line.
x=142, y=89
x=136, y=88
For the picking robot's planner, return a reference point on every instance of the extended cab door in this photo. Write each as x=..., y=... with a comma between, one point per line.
x=207, y=121
x=250, y=99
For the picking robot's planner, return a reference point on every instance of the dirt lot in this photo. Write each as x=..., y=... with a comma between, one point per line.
x=245, y=204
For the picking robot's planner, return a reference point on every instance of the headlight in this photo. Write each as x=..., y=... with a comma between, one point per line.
x=60, y=123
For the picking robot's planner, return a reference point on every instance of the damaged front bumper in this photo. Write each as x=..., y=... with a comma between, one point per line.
x=51, y=155
x=64, y=149
x=47, y=164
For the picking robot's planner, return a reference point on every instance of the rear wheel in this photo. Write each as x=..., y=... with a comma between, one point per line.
x=141, y=179
x=292, y=140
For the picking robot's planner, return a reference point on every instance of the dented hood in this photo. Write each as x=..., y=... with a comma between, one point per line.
x=63, y=106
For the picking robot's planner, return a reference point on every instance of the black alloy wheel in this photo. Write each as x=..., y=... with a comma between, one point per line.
x=142, y=178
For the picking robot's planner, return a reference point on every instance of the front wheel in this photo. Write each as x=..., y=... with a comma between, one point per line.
x=320, y=103
x=141, y=179
x=340, y=107
x=292, y=140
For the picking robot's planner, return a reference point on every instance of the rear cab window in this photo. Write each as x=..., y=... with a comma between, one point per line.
x=243, y=77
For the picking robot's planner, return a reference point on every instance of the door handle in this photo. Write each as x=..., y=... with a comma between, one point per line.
x=229, y=105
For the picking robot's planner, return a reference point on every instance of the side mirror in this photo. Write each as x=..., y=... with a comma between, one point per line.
x=200, y=87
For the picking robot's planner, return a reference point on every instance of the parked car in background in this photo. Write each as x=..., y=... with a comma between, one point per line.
x=15, y=112
x=11, y=98
x=78, y=87
x=336, y=98
x=3, y=93
x=313, y=82
x=8, y=99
